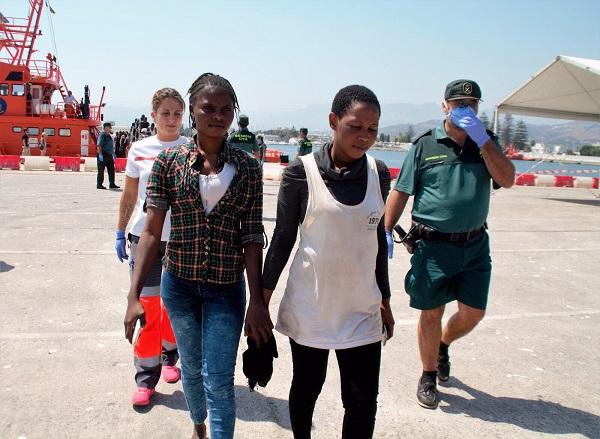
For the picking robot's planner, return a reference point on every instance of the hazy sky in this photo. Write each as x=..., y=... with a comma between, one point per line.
x=283, y=55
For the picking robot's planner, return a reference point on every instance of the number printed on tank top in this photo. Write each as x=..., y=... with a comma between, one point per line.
x=373, y=220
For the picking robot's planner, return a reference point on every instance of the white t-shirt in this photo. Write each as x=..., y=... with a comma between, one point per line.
x=213, y=187
x=139, y=164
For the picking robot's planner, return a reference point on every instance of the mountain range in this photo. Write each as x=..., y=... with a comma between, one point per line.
x=395, y=118
x=570, y=134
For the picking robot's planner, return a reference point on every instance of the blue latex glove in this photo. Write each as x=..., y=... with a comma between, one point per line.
x=100, y=157
x=465, y=118
x=120, y=245
x=390, y=243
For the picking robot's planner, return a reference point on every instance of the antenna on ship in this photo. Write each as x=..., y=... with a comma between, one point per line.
x=49, y=13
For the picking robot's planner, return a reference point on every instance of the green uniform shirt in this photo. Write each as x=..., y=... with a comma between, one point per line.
x=106, y=144
x=244, y=140
x=451, y=184
x=304, y=147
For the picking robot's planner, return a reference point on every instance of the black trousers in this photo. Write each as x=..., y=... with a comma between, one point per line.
x=359, y=374
x=109, y=164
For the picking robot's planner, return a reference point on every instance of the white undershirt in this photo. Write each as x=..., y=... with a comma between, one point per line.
x=213, y=187
x=139, y=165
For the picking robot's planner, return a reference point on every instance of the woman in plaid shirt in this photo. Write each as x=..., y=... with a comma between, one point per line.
x=215, y=196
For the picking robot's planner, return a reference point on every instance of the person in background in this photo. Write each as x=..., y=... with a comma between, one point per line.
x=449, y=170
x=105, y=151
x=25, y=143
x=70, y=103
x=125, y=144
x=304, y=145
x=215, y=195
x=28, y=100
x=144, y=122
x=243, y=139
x=338, y=294
x=43, y=144
x=262, y=149
x=117, y=139
x=69, y=98
x=155, y=351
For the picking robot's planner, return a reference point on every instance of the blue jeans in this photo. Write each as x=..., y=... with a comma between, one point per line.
x=207, y=321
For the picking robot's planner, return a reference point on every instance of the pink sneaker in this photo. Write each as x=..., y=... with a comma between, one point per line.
x=141, y=396
x=171, y=374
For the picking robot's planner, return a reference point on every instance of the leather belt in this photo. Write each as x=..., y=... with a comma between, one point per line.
x=427, y=232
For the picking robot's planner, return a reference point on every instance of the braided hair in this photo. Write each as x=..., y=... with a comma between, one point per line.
x=347, y=96
x=206, y=80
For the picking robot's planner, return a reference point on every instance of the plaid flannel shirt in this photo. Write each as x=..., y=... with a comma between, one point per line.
x=201, y=247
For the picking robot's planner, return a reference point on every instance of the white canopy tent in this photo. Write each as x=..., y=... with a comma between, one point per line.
x=567, y=88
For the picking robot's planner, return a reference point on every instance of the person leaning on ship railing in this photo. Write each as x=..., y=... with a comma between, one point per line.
x=451, y=259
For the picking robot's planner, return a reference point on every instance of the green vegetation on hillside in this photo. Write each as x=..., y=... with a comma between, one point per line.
x=590, y=150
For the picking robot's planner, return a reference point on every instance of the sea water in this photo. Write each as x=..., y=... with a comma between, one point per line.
x=394, y=159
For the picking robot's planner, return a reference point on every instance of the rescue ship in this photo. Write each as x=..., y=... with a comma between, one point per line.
x=34, y=96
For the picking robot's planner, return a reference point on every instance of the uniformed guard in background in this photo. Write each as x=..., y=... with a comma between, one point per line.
x=243, y=138
x=304, y=145
x=449, y=170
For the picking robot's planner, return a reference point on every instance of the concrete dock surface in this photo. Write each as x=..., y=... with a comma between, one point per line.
x=529, y=370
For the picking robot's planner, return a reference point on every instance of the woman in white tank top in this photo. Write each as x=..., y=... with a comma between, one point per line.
x=337, y=294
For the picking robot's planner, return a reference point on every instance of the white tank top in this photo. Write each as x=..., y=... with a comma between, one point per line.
x=332, y=300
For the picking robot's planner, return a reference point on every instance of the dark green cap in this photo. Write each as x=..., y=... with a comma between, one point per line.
x=462, y=89
x=243, y=118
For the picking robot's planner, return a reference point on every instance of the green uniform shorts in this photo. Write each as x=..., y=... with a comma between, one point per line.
x=442, y=272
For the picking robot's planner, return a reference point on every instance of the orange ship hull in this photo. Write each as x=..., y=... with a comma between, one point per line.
x=65, y=137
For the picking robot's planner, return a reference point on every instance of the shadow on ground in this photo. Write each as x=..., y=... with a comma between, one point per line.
x=4, y=267
x=255, y=407
x=534, y=415
x=175, y=401
x=575, y=201
x=251, y=406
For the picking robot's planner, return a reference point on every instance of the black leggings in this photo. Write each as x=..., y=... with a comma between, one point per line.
x=359, y=374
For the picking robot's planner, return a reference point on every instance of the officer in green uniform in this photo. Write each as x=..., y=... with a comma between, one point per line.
x=243, y=138
x=304, y=145
x=449, y=170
